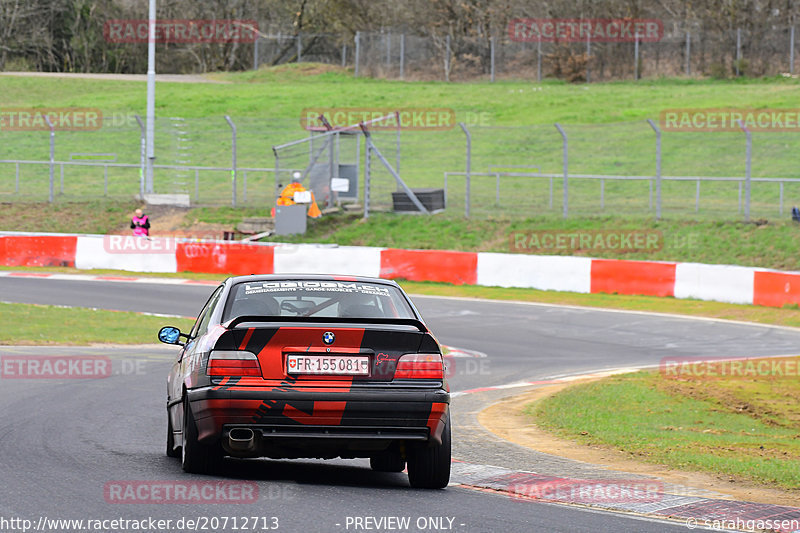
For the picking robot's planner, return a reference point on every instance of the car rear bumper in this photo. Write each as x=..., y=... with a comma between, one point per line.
x=320, y=421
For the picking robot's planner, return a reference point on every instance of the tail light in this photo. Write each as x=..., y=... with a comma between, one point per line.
x=420, y=366
x=233, y=363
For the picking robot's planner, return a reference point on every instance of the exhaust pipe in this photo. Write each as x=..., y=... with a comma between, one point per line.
x=242, y=440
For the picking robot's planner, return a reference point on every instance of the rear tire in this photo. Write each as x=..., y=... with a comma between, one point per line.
x=171, y=451
x=429, y=468
x=389, y=461
x=197, y=457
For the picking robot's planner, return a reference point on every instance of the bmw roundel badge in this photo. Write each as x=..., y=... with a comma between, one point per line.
x=328, y=337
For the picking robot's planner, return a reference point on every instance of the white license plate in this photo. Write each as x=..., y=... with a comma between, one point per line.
x=342, y=365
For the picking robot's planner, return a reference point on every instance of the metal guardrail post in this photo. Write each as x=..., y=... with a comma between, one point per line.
x=658, y=167
x=52, y=154
x=469, y=168
x=233, y=155
x=565, y=163
x=747, y=169
x=142, y=157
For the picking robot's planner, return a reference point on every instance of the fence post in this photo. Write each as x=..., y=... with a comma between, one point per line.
x=367, y=171
x=397, y=142
x=491, y=44
x=233, y=162
x=142, y=150
x=636, y=56
x=358, y=51
x=791, y=50
x=255, y=53
x=738, y=49
x=688, y=53
x=402, y=55
x=588, y=54
x=344, y=55
x=747, y=168
x=539, y=57
x=276, y=172
x=469, y=168
x=52, y=153
x=658, y=167
x=299, y=47
x=447, y=60
x=388, y=53
x=565, y=163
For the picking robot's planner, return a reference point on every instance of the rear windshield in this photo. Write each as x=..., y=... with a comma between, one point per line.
x=342, y=299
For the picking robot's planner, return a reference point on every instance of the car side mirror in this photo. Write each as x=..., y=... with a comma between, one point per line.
x=171, y=335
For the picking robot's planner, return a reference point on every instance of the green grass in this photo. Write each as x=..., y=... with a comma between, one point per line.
x=658, y=421
x=771, y=245
x=605, y=123
x=282, y=92
x=45, y=324
x=91, y=216
x=768, y=243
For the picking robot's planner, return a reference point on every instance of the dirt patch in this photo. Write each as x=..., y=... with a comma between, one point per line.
x=169, y=221
x=506, y=420
x=779, y=408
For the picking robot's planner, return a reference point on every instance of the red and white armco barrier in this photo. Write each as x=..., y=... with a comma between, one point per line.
x=723, y=283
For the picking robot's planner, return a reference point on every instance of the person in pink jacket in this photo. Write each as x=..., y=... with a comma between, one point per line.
x=140, y=224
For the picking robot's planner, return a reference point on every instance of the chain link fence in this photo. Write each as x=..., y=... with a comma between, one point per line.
x=684, y=49
x=513, y=170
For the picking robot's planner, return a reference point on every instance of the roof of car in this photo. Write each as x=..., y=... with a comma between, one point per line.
x=315, y=277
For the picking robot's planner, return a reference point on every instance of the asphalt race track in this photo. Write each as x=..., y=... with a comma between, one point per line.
x=66, y=444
